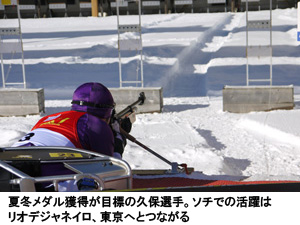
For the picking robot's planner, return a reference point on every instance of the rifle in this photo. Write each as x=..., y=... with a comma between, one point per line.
x=129, y=110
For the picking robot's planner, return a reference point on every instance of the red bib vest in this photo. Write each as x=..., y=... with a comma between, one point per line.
x=64, y=123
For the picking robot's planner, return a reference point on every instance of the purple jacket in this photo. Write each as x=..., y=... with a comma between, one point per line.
x=95, y=134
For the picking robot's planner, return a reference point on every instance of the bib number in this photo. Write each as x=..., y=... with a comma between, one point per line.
x=27, y=137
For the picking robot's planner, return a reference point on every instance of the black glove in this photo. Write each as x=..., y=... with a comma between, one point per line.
x=126, y=125
x=120, y=140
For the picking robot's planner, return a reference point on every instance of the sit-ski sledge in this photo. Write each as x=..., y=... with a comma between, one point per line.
x=44, y=168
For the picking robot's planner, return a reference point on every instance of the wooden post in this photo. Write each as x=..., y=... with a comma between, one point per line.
x=232, y=5
x=95, y=10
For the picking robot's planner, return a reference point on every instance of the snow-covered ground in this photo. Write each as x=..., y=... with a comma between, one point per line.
x=192, y=56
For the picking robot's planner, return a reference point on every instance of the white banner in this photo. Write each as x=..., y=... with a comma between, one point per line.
x=183, y=2
x=234, y=208
x=121, y=4
x=57, y=6
x=250, y=0
x=27, y=7
x=216, y=1
x=84, y=5
x=151, y=3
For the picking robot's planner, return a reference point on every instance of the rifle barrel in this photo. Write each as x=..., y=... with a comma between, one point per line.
x=129, y=108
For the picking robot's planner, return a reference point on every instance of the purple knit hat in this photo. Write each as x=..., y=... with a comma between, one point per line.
x=93, y=98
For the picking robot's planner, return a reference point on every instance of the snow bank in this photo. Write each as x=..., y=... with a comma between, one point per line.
x=192, y=56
